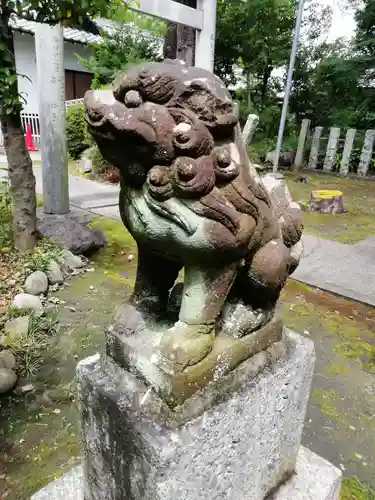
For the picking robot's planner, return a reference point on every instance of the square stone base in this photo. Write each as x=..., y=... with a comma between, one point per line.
x=237, y=439
x=316, y=479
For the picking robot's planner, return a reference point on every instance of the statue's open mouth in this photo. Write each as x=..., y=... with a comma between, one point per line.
x=172, y=209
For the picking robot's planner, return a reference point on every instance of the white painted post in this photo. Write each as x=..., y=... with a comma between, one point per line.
x=49, y=47
x=349, y=141
x=249, y=129
x=205, y=38
x=314, y=151
x=333, y=141
x=298, y=161
x=366, y=154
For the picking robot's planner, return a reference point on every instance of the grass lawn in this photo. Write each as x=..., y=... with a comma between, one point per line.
x=359, y=200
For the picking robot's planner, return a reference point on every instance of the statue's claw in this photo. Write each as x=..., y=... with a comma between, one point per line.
x=185, y=345
x=239, y=319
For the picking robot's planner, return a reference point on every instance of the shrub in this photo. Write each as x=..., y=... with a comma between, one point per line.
x=98, y=162
x=111, y=175
x=32, y=348
x=76, y=131
x=6, y=217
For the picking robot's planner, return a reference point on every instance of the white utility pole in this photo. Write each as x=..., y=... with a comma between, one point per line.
x=288, y=87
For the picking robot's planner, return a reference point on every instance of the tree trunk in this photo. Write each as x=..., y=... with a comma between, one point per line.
x=327, y=201
x=170, y=42
x=265, y=79
x=21, y=177
x=180, y=40
x=248, y=90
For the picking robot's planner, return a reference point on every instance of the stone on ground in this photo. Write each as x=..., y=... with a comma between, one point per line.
x=36, y=283
x=286, y=158
x=17, y=326
x=72, y=234
x=8, y=380
x=327, y=201
x=54, y=273
x=7, y=360
x=72, y=261
x=27, y=301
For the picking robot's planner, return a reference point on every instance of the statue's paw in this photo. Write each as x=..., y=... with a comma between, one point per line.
x=129, y=316
x=185, y=345
x=239, y=319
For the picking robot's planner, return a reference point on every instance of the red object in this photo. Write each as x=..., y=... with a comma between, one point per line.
x=29, y=139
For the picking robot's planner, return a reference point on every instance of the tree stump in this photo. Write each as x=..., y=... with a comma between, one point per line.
x=327, y=201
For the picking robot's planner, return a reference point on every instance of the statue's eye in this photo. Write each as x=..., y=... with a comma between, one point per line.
x=224, y=159
x=133, y=99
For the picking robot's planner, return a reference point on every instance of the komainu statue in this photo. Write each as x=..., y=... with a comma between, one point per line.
x=192, y=201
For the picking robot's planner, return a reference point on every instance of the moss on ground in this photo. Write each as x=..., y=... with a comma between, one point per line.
x=353, y=489
x=118, y=259
x=359, y=200
x=39, y=435
x=326, y=401
x=352, y=325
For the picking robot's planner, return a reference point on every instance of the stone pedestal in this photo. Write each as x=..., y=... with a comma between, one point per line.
x=237, y=439
x=315, y=479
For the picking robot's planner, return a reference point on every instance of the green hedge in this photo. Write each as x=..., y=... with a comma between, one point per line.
x=76, y=130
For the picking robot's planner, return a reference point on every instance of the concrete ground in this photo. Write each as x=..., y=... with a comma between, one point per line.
x=347, y=270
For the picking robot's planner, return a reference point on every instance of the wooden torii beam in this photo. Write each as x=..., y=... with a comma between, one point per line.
x=202, y=19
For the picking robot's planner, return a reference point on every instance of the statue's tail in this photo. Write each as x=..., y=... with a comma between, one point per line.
x=288, y=213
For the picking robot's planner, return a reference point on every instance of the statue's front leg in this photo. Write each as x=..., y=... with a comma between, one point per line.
x=155, y=277
x=192, y=337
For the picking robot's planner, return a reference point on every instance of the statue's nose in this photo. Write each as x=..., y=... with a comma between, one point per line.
x=96, y=102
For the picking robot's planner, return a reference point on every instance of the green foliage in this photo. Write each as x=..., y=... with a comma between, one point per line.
x=76, y=131
x=255, y=34
x=6, y=217
x=353, y=489
x=31, y=349
x=125, y=47
x=143, y=22
x=98, y=162
x=46, y=251
x=8, y=81
x=51, y=12
x=333, y=83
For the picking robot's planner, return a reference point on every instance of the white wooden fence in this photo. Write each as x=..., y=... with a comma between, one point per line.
x=339, y=152
x=33, y=120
